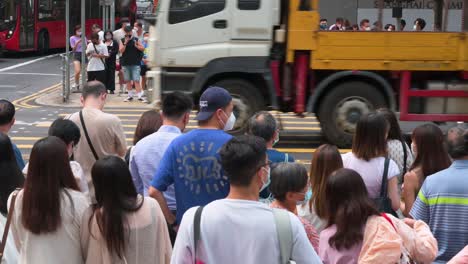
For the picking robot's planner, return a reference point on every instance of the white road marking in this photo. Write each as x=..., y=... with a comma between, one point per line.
x=27, y=63
x=7, y=86
x=30, y=73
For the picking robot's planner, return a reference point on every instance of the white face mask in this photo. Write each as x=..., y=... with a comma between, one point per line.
x=415, y=27
x=108, y=37
x=145, y=39
x=368, y=29
x=78, y=33
x=276, y=139
x=135, y=28
x=230, y=122
x=268, y=181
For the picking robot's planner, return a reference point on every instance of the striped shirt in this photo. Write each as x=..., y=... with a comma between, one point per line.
x=443, y=204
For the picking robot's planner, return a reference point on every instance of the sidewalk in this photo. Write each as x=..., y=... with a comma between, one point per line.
x=54, y=98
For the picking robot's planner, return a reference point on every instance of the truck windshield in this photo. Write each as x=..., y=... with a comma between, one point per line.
x=7, y=14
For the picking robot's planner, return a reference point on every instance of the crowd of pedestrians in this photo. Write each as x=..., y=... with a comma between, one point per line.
x=342, y=24
x=205, y=196
x=123, y=51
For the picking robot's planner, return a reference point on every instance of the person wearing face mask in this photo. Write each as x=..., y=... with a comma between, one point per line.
x=70, y=133
x=291, y=187
x=77, y=49
x=419, y=24
x=138, y=30
x=323, y=24
x=113, y=50
x=240, y=229
x=118, y=35
x=192, y=163
x=264, y=125
x=97, y=54
x=431, y=156
x=364, y=25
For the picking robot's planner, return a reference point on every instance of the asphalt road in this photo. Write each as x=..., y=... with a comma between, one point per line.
x=24, y=77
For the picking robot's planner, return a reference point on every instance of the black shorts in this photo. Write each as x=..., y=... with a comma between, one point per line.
x=143, y=70
x=77, y=56
x=97, y=76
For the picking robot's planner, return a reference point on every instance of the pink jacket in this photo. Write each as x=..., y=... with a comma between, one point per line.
x=383, y=244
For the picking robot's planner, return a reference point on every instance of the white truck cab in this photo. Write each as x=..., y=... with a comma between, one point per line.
x=199, y=43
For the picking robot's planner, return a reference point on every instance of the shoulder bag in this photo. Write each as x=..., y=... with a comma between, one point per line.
x=8, y=223
x=88, y=139
x=383, y=203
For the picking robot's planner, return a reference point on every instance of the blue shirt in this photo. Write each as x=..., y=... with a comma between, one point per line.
x=443, y=204
x=18, y=156
x=146, y=158
x=145, y=52
x=193, y=165
x=275, y=156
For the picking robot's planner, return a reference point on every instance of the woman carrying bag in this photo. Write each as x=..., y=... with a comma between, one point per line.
x=357, y=233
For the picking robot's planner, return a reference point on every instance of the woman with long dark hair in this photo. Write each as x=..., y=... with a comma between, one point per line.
x=10, y=178
x=123, y=226
x=357, y=233
x=397, y=148
x=326, y=159
x=46, y=220
x=431, y=153
x=369, y=155
x=150, y=122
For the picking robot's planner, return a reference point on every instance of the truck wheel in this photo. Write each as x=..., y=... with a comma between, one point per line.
x=247, y=101
x=43, y=43
x=343, y=106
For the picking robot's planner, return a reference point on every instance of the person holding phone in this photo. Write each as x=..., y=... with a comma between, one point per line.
x=132, y=54
x=97, y=53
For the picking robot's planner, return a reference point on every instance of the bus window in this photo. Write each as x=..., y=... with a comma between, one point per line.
x=7, y=16
x=51, y=10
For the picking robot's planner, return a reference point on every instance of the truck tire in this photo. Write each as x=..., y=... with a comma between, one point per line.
x=247, y=101
x=342, y=107
x=43, y=43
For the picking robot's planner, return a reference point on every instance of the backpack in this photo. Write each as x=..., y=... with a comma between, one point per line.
x=283, y=228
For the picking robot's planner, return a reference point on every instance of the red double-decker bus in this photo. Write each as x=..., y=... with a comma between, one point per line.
x=39, y=25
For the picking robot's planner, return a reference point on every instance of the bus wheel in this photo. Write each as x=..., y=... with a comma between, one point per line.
x=43, y=43
x=246, y=98
x=343, y=106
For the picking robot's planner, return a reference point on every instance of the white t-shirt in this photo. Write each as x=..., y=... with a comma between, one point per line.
x=239, y=231
x=10, y=254
x=96, y=64
x=371, y=171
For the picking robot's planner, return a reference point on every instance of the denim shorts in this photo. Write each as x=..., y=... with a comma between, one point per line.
x=131, y=73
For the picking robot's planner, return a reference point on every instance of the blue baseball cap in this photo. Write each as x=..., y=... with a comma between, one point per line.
x=211, y=100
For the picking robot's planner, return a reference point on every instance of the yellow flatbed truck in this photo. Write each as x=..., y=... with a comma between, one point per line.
x=272, y=54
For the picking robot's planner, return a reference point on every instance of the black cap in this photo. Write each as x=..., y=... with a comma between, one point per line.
x=211, y=100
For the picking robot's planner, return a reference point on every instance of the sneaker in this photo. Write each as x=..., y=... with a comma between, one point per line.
x=143, y=100
x=111, y=92
x=128, y=99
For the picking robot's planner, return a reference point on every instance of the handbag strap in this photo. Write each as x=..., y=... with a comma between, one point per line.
x=8, y=223
x=197, y=231
x=87, y=136
x=285, y=237
x=384, y=215
x=384, y=188
x=98, y=54
x=405, y=157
